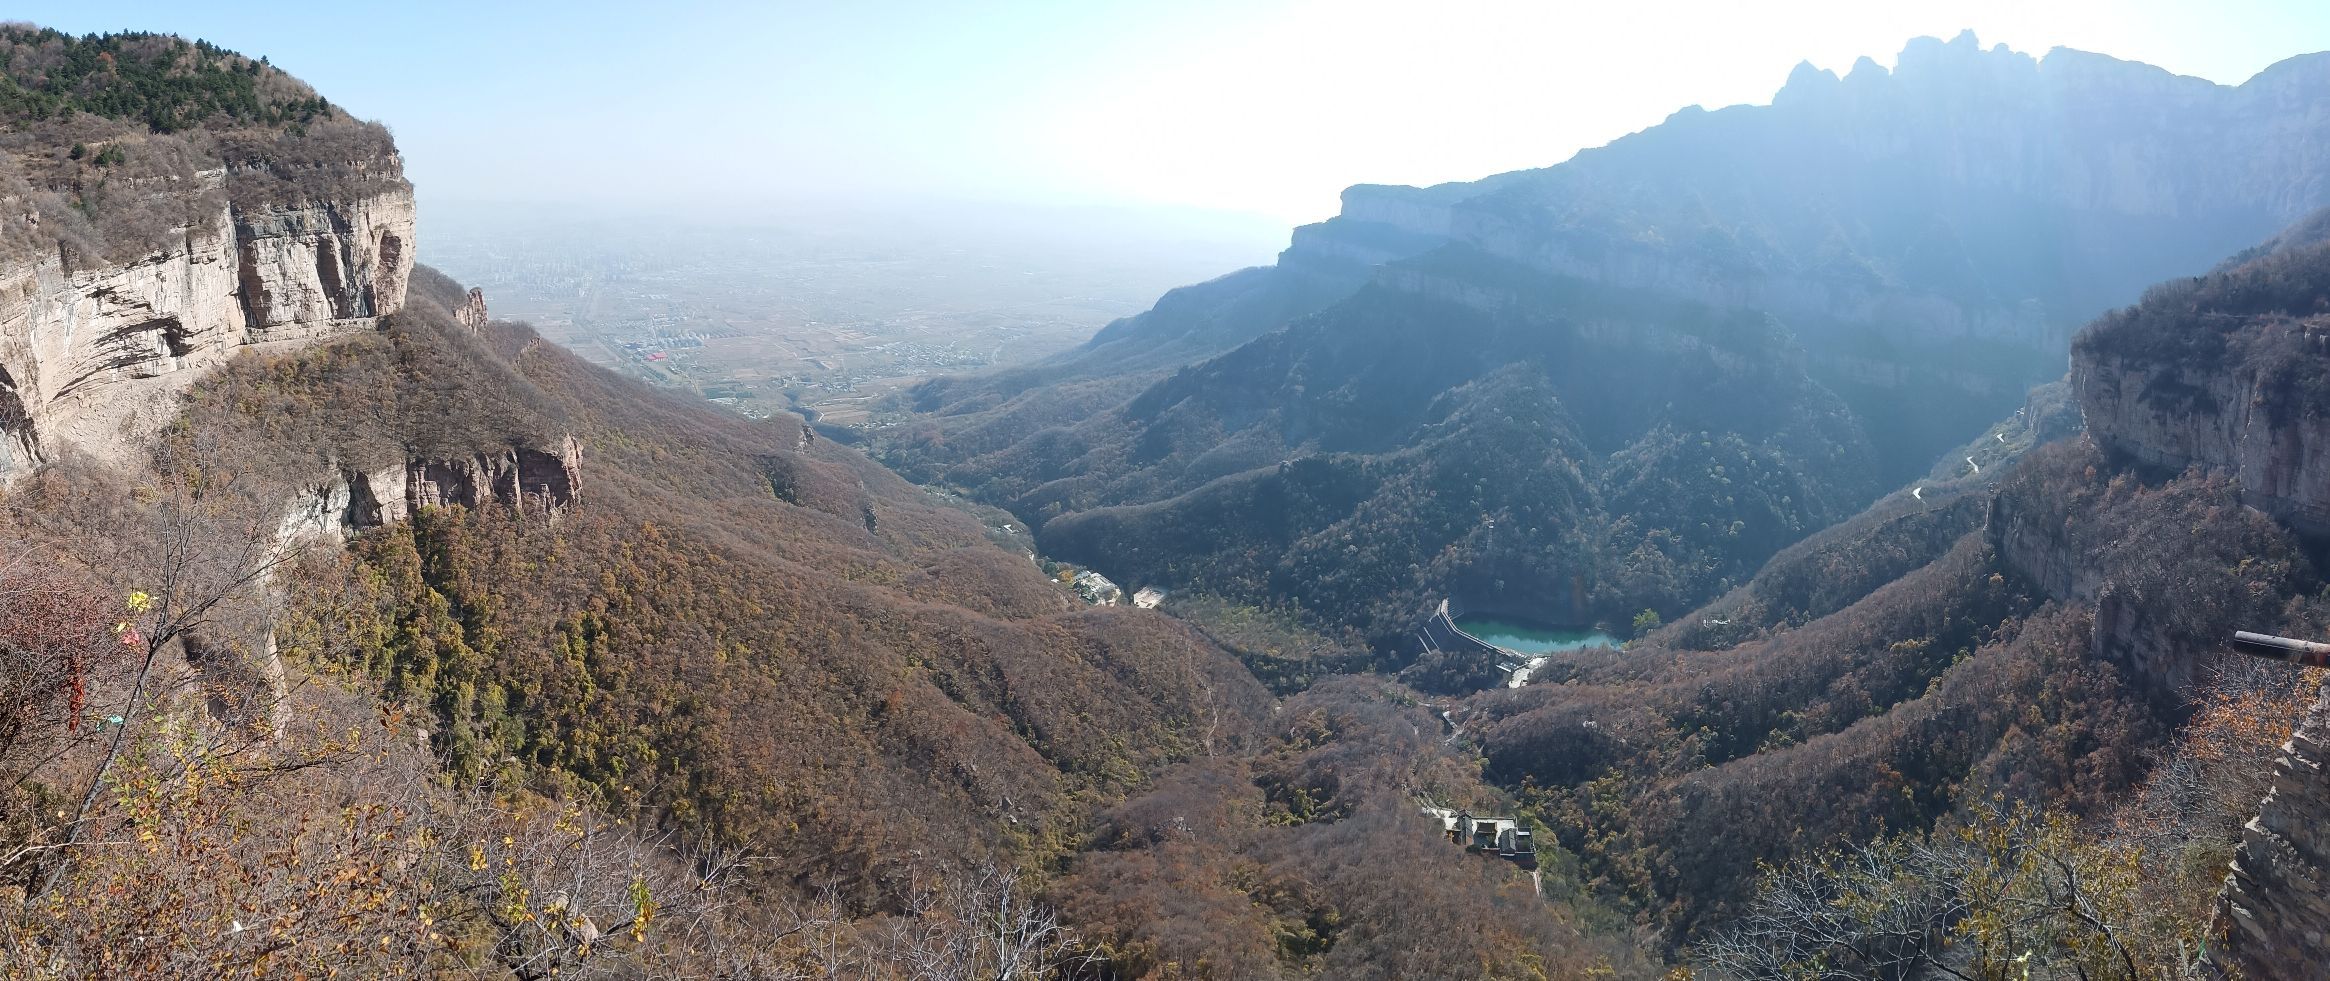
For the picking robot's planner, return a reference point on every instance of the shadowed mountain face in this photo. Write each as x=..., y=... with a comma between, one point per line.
x=2039, y=632
x=1559, y=466
x=1731, y=329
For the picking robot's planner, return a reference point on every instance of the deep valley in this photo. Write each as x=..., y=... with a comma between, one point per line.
x=1791, y=541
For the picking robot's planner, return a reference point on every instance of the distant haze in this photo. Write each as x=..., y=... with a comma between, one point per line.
x=1265, y=107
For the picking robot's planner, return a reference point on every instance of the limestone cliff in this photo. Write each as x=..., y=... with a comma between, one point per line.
x=91, y=351
x=531, y=480
x=472, y=313
x=319, y=267
x=349, y=501
x=2223, y=372
x=543, y=482
x=2171, y=416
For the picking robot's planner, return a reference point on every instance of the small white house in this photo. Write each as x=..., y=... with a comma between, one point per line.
x=1149, y=598
x=1097, y=589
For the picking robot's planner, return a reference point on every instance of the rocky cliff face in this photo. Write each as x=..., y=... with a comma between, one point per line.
x=534, y=481
x=2074, y=558
x=2170, y=416
x=2275, y=910
x=1947, y=223
x=2036, y=543
x=2224, y=372
x=542, y=481
x=326, y=266
x=91, y=352
x=472, y=313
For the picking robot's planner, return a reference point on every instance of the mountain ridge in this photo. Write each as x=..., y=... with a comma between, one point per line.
x=601, y=620
x=1928, y=236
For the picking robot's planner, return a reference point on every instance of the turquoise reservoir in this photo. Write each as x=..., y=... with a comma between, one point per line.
x=1530, y=638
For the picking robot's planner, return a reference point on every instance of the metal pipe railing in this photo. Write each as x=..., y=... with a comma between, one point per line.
x=2305, y=652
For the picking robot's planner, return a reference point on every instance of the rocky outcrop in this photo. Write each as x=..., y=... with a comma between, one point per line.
x=351, y=501
x=92, y=354
x=2043, y=546
x=2036, y=542
x=2137, y=556
x=2274, y=912
x=534, y=481
x=324, y=267
x=472, y=313
x=2171, y=414
x=1941, y=226
x=2225, y=372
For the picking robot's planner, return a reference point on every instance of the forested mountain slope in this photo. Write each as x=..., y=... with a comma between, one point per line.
x=2048, y=636
x=1562, y=466
x=346, y=629
x=766, y=636
x=1918, y=243
x=749, y=639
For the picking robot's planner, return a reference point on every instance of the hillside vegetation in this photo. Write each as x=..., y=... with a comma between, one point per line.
x=1566, y=467
x=1991, y=726
x=721, y=698
x=744, y=642
x=109, y=138
x=155, y=79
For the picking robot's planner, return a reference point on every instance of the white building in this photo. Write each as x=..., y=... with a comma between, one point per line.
x=1097, y=589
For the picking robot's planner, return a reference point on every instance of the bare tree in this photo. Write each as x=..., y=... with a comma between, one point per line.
x=1875, y=911
x=55, y=653
x=347, y=854
x=2011, y=892
x=567, y=892
x=191, y=555
x=981, y=927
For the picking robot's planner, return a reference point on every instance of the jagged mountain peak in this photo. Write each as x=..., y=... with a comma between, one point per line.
x=1922, y=242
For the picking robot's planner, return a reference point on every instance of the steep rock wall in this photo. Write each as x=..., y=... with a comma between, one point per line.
x=533, y=480
x=1824, y=302
x=84, y=351
x=542, y=481
x=91, y=355
x=349, y=501
x=2170, y=415
x=2035, y=543
x=315, y=270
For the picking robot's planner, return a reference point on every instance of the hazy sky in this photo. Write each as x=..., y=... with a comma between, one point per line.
x=1268, y=106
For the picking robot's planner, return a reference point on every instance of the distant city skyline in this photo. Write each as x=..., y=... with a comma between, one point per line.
x=1267, y=107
